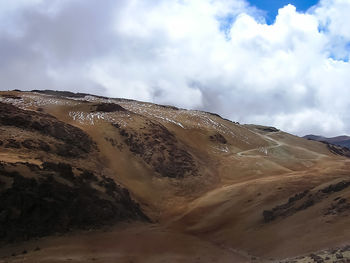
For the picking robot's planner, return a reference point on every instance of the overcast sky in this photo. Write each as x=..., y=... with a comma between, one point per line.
x=292, y=72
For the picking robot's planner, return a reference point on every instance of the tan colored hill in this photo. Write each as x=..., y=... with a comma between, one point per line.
x=199, y=188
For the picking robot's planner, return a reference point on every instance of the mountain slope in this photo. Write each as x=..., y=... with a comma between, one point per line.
x=343, y=140
x=237, y=188
x=45, y=182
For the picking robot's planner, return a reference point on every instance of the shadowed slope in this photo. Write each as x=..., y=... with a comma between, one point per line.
x=194, y=173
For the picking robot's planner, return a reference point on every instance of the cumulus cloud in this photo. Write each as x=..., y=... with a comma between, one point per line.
x=215, y=55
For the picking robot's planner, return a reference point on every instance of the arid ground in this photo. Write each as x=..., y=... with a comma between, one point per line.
x=86, y=178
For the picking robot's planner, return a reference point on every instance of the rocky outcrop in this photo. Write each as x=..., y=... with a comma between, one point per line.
x=289, y=208
x=333, y=255
x=158, y=147
x=10, y=96
x=108, y=107
x=338, y=150
x=53, y=199
x=35, y=144
x=336, y=187
x=72, y=141
x=268, y=129
x=59, y=93
x=218, y=138
x=338, y=206
x=304, y=200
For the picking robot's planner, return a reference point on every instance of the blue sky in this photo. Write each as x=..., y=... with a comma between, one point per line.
x=271, y=6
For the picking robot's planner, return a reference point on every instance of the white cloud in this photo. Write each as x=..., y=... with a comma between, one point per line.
x=311, y=119
x=217, y=55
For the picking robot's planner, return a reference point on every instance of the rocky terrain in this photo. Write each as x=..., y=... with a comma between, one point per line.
x=343, y=141
x=39, y=201
x=53, y=194
x=336, y=255
x=90, y=178
x=303, y=200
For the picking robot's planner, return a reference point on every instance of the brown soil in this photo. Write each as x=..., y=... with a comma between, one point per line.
x=203, y=180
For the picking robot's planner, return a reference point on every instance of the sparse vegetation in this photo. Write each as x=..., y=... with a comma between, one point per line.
x=84, y=162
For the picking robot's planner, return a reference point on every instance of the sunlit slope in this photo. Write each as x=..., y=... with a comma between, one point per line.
x=198, y=173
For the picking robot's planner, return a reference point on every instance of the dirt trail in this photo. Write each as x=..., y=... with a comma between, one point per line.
x=277, y=144
x=201, y=218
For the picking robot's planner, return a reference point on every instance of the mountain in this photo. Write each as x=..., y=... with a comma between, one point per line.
x=90, y=178
x=343, y=141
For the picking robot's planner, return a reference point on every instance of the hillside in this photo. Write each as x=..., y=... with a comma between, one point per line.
x=343, y=141
x=90, y=178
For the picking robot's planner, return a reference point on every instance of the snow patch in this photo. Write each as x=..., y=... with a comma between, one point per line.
x=92, y=118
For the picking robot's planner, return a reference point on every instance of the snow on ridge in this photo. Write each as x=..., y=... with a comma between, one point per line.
x=182, y=118
x=169, y=120
x=38, y=100
x=91, y=118
x=153, y=111
x=29, y=101
x=15, y=102
x=206, y=120
x=92, y=98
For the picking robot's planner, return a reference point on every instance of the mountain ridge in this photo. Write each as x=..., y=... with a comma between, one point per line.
x=342, y=140
x=189, y=177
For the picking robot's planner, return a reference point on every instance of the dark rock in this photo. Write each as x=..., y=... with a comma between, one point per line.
x=336, y=187
x=268, y=215
x=339, y=255
x=11, y=143
x=68, y=150
x=108, y=107
x=289, y=208
x=29, y=144
x=297, y=196
x=89, y=176
x=336, y=149
x=116, y=125
x=9, y=96
x=342, y=201
x=218, y=138
x=42, y=206
x=44, y=146
x=306, y=204
x=63, y=169
x=159, y=148
x=304, y=200
x=75, y=140
x=168, y=107
x=346, y=248
x=316, y=258
x=267, y=129
x=59, y=93
x=36, y=145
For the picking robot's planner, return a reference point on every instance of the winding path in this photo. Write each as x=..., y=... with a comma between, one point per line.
x=277, y=144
